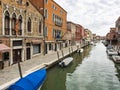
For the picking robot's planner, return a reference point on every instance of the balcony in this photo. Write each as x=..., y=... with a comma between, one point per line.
x=58, y=23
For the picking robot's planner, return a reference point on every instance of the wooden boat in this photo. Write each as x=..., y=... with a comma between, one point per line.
x=116, y=59
x=66, y=62
x=32, y=81
x=111, y=52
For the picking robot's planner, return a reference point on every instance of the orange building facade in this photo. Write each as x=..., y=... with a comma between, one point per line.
x=55, y=25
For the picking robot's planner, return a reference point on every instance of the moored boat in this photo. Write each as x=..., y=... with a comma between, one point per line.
x=80, y=50
x=66, y=62
x=109, y=47
x=32, y=81
x=116, y=59
x=111, y=52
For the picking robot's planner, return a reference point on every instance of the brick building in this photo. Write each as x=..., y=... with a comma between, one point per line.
x=112, y=36
x=21, y=30
x=117, y=24
x=71, y=27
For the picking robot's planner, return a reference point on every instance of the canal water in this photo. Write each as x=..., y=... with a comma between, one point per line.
x=91, y=70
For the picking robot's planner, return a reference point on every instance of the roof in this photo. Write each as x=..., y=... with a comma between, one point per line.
x=4, y=48
x=59, y=6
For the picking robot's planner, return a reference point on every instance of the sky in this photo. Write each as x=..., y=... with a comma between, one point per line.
x=96, y=15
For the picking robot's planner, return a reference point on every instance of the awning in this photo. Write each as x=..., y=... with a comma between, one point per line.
x=4, y=48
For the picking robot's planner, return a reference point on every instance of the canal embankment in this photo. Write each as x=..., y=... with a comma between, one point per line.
x=10, y=74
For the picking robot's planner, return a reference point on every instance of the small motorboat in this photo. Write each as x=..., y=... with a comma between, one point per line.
x=91, y=43
x=109, y=47
x=32, y=81
x=66, y=62
x=80, y=50
x=116, y=59
x=111, y=52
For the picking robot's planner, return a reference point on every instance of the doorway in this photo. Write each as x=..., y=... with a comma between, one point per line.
x=17, y=55
x=28, y=52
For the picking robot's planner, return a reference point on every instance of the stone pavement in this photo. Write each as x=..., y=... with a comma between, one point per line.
x=11, y=74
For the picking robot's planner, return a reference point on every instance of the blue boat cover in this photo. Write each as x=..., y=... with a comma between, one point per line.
x=31, y=82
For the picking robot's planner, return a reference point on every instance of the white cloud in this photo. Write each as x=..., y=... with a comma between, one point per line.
x=96, y=15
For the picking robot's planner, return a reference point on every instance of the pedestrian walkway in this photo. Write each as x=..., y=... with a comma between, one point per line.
x=11, y=74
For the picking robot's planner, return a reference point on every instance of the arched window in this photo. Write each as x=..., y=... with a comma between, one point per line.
x=20, y=25
x=7, y=23
x=19, y=1
x=40, y=26
x=29, y=25
x=13, y=23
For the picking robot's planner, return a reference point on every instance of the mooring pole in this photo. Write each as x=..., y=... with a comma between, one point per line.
x=58, y=55
x=62, y=53
x=69, y=50
x=18, y=53
x=19, y=67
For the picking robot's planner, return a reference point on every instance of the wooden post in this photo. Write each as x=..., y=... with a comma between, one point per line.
x=58, y=55
x=62, y=53
x=18, y=53
x=69, y=50
x=19, y=66
x=72, y=49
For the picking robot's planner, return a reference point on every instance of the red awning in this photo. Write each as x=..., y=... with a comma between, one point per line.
x=4, y=48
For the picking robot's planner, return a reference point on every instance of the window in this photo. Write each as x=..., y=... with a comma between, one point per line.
x=53, y=33
x=53, y=6
x=6, y=56
x=56, y=34
x=53, y=17
x=19, y=1
x=7, y=23
x=36, y=48
x=29, y=25
x=46, y=1
x=45, y=31
x=17, y=43
x=57, y=20
x=40, y=26
x=13, y=23
x=46, y=13
x=61, y=12
x=50, y=46
x=20, y=25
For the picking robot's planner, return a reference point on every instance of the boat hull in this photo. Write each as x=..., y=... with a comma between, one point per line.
x=116, y=59
x=66, y=62
x=111, y=52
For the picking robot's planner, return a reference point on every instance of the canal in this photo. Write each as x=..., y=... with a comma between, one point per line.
x=91, y=70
